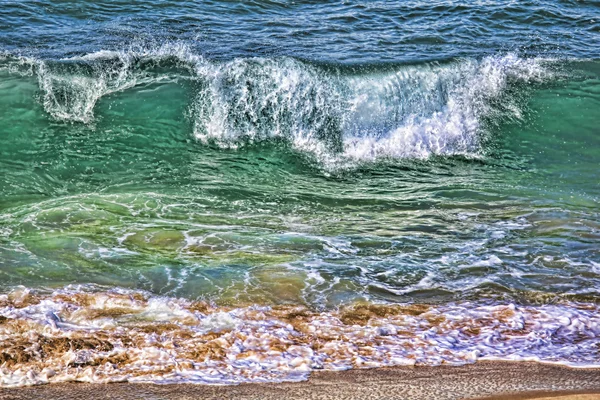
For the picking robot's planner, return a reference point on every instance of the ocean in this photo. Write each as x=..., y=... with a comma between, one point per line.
x=221, y=192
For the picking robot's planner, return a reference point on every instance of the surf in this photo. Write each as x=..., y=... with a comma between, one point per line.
x=337, y=114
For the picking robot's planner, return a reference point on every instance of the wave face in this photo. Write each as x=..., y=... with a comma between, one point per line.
x=72, y=87
x=410, y=112
x=333, y=113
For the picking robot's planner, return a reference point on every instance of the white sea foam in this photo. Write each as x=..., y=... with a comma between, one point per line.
x=414, y=111
x=336, y=114
x=75, y=334
x=437, y=110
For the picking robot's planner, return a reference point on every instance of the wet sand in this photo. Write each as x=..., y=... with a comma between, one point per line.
x=484, y=380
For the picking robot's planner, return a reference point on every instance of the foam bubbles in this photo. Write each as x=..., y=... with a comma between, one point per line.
x=412, y=112
x=71, y=87
x=338, y=115
x=84, y=335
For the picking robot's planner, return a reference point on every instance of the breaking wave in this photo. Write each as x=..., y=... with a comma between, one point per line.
x=336, y=113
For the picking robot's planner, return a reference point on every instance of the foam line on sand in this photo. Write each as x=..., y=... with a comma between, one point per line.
x=484, y=380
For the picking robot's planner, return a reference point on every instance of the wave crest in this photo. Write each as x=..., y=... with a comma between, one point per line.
x=412, y=112
x=336, y=114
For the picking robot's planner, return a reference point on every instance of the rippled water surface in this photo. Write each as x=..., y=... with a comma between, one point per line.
x=224, y=192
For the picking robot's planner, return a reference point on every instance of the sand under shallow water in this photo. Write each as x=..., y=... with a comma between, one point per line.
x=108, y=337
x=497, y=380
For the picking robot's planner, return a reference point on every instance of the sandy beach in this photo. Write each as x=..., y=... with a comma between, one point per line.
x=484, y=380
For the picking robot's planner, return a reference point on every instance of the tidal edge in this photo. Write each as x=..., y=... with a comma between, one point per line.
x=483, y=380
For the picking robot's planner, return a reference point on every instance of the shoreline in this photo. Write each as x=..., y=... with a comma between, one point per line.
x=482, y=381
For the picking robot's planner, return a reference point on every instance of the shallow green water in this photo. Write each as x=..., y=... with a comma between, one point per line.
x=133, y=198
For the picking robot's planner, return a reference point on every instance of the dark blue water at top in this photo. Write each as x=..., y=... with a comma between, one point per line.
x=327, y=31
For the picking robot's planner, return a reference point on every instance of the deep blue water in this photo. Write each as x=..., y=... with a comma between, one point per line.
x=350, y=32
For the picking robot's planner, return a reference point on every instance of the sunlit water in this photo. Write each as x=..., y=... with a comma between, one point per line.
x=227, y=192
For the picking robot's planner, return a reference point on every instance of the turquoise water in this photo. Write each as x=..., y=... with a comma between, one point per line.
x=192, y=166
